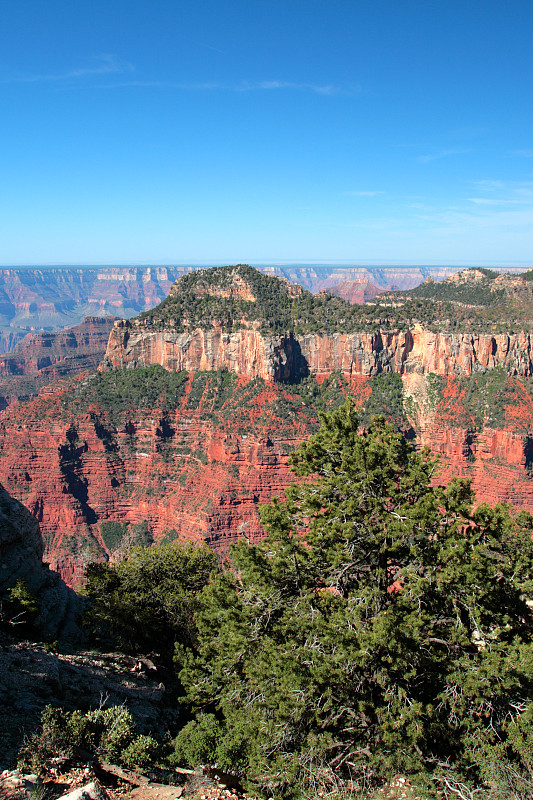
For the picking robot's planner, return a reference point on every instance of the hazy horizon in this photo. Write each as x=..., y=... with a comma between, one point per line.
x=275, y=263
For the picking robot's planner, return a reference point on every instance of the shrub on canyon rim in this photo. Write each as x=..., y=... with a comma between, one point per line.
x=380, y=627
x=147, y=601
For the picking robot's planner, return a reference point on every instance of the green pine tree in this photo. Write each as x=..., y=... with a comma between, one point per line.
x=380, y=627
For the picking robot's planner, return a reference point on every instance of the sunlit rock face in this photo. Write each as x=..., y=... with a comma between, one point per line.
x=251, y=353
x=199, y=467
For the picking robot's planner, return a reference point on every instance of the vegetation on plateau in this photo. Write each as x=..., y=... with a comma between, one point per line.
x=224, y=399
x=121, y=391
x=207, y=296
x=210, y=295
x=477, y=301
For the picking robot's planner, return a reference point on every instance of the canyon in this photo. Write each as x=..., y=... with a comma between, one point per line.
x=200, y=467
x=36, y=299
x=185, y=431
x=53, y=298
x=41, y=358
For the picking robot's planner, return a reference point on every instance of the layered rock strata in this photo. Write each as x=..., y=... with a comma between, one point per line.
x=37, y=351
x=47, y=299
x=200, y=471
x=188, y=477
x=41, y=358
x=248, y=352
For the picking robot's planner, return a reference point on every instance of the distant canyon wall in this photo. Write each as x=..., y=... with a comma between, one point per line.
x=41, y=358
x=49, y=299
x=38, y=351
x=286, y=358
x=53, y=298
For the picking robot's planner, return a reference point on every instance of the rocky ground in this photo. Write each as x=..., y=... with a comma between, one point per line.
x=31, y=678
x=90, y=784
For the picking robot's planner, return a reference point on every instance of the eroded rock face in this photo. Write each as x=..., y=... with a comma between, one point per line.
x=40, y=350
x=497, y=462
x=252, y=354
x=21, y=552
x=200, y=478
x=246, y=352
x=41, y=358
x=194, y=474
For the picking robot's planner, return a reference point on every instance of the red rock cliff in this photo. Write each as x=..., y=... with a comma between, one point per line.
x=194, y=476
x=200, y=470
x=249, y=353
x=41, y=358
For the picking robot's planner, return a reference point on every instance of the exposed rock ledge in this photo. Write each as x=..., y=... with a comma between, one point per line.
x=284, y=358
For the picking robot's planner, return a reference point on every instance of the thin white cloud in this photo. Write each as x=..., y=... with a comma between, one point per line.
x=107, y=64
x=503, y=193
x=319, y=89
x=492, y=201
x=523, y=153
x=488, y=184
x=214, y=49
x=456, y=151
x=242, y=86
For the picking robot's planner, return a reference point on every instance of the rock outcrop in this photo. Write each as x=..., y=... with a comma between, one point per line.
x=21, y=552
x=246, y=352
x=253, y=354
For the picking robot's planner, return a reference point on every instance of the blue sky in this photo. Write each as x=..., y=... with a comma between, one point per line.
x=266, y=130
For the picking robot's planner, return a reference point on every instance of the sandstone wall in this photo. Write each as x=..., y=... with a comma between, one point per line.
x=249, y=353
x=246, y=352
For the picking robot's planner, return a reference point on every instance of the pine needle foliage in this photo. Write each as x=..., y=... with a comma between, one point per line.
x=380, y=627
x=147, y=601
